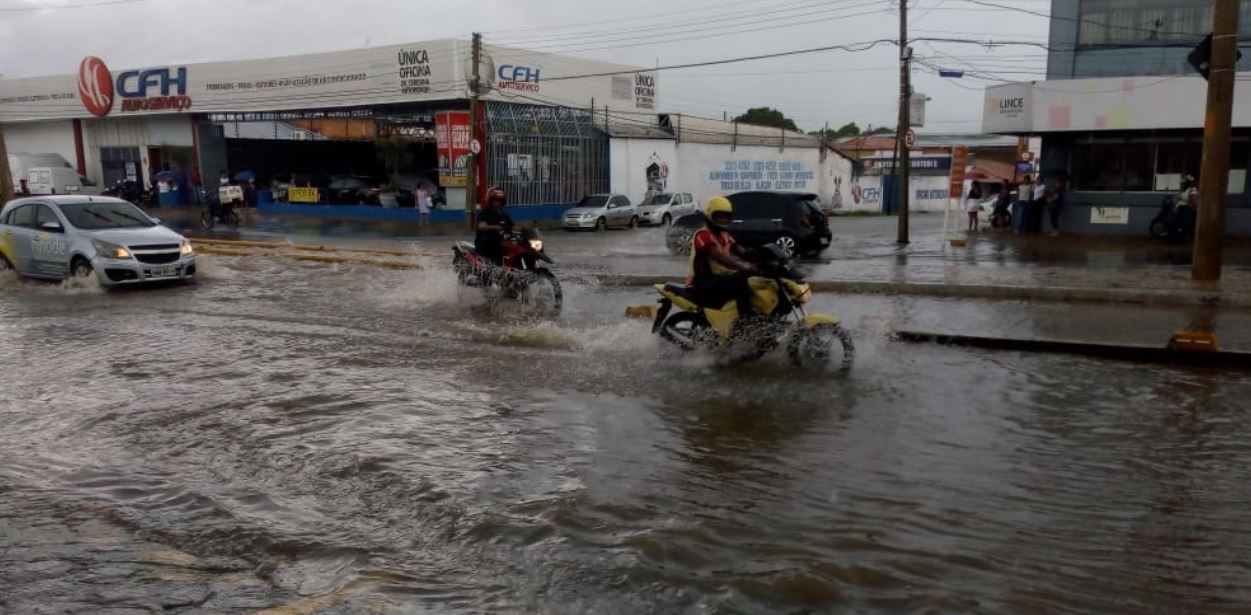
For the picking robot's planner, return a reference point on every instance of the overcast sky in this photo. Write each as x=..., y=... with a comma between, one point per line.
x=835, y=87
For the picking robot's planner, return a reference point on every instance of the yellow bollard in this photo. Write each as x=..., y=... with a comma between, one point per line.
x=1194, y=341
x=959, y=242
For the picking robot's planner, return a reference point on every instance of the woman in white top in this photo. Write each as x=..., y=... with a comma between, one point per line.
x=973, y=206
x=423, y=205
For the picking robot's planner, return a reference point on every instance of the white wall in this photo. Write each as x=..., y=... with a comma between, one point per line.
x=929, y=193
x=836, y=181
x=140, y=132
x=629, y=160
x=56, y=137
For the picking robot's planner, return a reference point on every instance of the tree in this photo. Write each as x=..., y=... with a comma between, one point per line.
x=880, y=130
x=767, y=116
x=849, y=129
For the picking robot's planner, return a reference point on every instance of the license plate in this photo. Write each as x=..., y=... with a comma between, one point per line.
x=162, y=272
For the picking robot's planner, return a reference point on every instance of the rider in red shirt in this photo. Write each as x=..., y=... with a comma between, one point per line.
x=717, y=272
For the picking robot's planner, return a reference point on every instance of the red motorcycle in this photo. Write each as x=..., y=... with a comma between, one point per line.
x=522, y=277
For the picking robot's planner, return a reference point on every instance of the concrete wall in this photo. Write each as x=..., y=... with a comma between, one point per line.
x=141, y=132
x=929, y=193
x=629, y=160
x=55, y=137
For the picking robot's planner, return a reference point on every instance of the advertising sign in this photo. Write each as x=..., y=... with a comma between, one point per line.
x=960, y=160
x=1109, y=215
x=303, y=195
x=452, y=134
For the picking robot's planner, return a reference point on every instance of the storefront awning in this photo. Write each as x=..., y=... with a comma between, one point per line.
x=1122, y=103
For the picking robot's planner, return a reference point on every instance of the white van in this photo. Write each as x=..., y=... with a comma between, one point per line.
x=47, y=174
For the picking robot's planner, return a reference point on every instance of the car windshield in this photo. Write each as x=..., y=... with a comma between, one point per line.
x=593, y=202
x=657, y=199
x=94, y=216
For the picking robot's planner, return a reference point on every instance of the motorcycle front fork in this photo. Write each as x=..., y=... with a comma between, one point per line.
x=661, y=314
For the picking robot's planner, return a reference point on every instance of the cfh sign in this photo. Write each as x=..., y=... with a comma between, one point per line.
x=513, y=77
x=156, y=89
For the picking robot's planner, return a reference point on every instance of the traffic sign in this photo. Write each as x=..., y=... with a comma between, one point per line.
x=475, y=146
x=910, y=139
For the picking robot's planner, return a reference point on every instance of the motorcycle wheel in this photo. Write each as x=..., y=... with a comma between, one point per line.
x=688, y=331
x=206, y=219
x=464, y=271
x=820, y=344
x=542, y=293
x=1159, y=228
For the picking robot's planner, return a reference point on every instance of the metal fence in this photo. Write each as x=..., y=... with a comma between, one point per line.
x=542, y=154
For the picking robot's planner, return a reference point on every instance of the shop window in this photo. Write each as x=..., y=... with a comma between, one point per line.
x=1139, y=167
x=1238, y=155
x=1170, y=165
x=1098, y=166
x=1147, y=22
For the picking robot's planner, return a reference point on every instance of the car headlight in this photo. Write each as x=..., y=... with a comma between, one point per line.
x=536, y=245
x=587, y=216
x=109, y=250
x=187, y=250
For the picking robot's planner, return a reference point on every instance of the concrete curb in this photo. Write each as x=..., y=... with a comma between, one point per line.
x=1184, y=298
x=1126, y=352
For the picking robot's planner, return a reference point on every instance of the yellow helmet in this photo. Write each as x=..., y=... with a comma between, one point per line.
x=717, y=205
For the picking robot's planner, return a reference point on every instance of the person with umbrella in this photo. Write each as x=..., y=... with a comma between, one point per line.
x=248, y=179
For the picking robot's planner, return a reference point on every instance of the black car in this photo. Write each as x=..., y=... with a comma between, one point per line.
x=350, y=190
x=792, y=220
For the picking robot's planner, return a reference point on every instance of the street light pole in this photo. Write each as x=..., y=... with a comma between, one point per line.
x=904, y=166
x=1214, y=178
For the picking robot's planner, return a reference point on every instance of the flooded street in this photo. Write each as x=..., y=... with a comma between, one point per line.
x=359, y=440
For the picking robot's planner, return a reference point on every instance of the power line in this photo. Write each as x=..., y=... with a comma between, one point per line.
x=59, y=7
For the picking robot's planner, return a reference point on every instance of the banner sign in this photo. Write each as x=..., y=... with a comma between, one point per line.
x=960, y=160
x=920, y=165
x=303, y=195
x=452, y=132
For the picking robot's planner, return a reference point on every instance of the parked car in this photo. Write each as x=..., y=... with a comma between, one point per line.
x=791, y=220
x=58, y=237
x=600, y=211
x=664, y=207
x=351, y=190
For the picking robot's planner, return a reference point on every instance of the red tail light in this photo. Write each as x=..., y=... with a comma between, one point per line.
x=806, y=221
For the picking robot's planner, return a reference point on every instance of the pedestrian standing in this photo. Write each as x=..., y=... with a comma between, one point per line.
x=197, y=187
x=423, y=205
x=973, y=206
x=1055, y=205
x=1037, y=206
x=1020, y=209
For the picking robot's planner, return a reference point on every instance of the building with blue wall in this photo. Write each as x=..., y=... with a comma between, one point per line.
x=1121, y=113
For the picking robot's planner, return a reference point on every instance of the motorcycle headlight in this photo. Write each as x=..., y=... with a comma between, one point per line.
x=187, y=250
x=536, y=245
x=109, y=250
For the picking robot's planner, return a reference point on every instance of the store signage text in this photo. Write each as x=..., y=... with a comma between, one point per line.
x=414, y=71
x=96, y=88
x=762, y=175
x=645, y=91
x=513, y=77
x=1011, y=107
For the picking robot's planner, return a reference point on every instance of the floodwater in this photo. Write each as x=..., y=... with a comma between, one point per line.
x=356, y=440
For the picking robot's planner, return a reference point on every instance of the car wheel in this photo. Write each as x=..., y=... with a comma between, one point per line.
x=601, y=225
x=80, y=268
x=667, y=220
x=787, y=243
x=634, y=222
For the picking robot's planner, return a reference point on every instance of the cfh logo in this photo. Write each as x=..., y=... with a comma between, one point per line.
x=518, y=78
x=95, y=86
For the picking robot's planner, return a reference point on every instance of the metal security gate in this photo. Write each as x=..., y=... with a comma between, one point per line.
x=545, y=155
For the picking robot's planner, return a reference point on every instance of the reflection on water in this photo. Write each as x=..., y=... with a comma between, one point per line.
x=374, y=440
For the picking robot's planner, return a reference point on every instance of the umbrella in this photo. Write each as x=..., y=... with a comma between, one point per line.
x=245, y=176
x=162, y=176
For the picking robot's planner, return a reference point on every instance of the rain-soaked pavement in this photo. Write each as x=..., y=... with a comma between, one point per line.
x=294, y=437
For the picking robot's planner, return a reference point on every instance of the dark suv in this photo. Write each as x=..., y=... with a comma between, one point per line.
x=792, y=220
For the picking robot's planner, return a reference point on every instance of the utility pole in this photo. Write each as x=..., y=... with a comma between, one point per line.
x=1214, y=177
x=6, y=178
x=904, y=167
x=471, y=170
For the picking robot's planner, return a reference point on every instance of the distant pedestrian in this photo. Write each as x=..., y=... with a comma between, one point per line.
x=973, y=206
x=423, y=205
x=1037, y=206
x=1020, y=209
x=1055, y=205
x=197, y=187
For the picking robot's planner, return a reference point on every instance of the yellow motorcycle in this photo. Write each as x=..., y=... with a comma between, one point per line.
x=778, y=296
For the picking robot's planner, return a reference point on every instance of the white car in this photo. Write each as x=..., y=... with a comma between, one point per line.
x=664, y=207
x=57, y=237
x=600, y=211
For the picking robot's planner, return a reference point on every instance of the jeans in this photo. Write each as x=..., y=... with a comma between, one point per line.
x=1055, y=209
x=1020, y=216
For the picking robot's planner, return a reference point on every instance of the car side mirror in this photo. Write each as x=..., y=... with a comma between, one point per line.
x=52, y=227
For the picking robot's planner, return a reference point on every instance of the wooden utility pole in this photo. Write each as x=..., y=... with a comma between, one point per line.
x=1214, y=177
x=471, y=170
x=6, y=177
x=904, y=166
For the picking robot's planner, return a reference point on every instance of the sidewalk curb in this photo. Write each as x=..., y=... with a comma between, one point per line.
x=1184, y=298
x=1121, y=351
